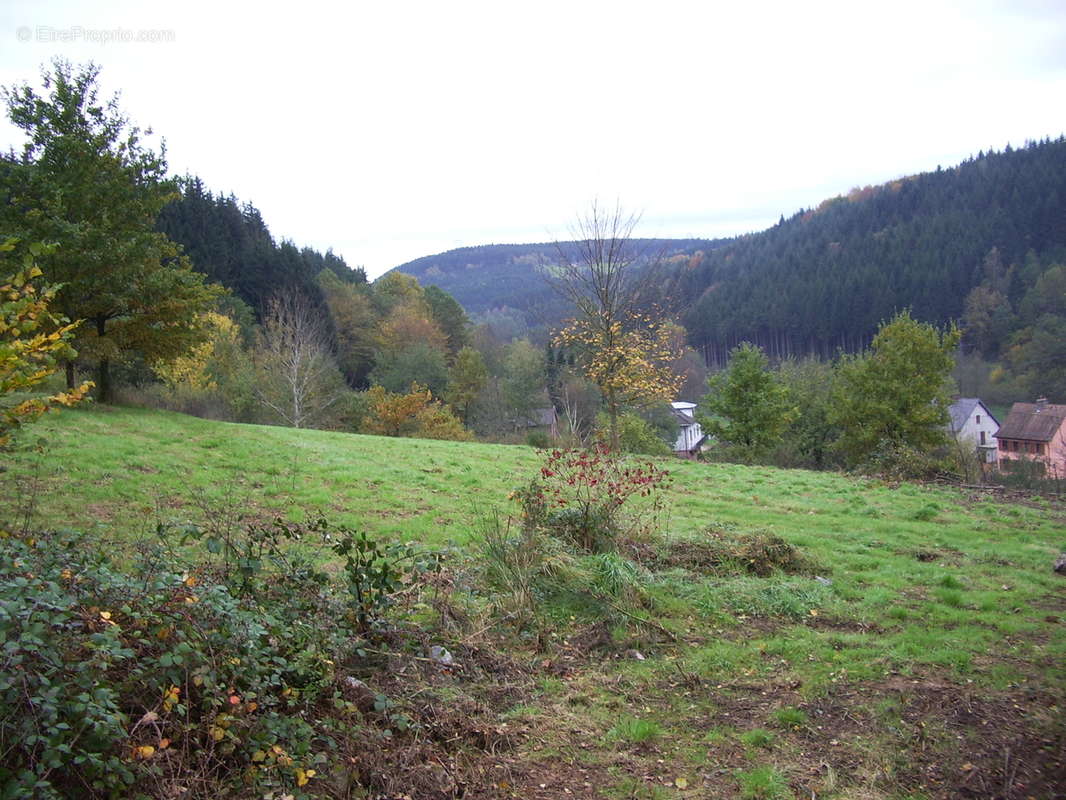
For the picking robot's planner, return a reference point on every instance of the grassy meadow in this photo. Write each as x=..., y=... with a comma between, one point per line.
x=919, y=654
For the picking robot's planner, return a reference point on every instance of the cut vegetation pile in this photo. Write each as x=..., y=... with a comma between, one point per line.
x=782, y=634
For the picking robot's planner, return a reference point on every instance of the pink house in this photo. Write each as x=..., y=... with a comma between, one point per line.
x=1035, y=432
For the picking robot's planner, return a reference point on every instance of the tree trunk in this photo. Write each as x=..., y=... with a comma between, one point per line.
x=104, y=390
x=72, y=378
x=612, y=413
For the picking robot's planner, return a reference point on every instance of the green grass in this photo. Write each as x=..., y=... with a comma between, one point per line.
x=925, y=583
x=758, y=737
x=763, y=783
x=125, y=469
x=790, y=717
x=635, y=731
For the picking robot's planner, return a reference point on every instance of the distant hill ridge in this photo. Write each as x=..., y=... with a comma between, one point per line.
x=492, y=276
x=825, y=277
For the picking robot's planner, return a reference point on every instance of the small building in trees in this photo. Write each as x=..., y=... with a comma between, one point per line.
x=972, y=422
x=544, y=420
x=1035, y=432
x=691, y=437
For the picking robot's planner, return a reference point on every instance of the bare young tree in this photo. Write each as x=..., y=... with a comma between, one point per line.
x=598, y=273
x=298, y=376
x=624, y=345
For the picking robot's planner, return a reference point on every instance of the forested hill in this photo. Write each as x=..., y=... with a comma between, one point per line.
x=826, y=277
x=230, y=243
x=505, y=275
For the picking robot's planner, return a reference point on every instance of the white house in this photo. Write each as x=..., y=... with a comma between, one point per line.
x=972, y=421
x=691, y=437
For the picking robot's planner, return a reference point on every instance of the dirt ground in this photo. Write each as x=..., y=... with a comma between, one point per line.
x=904, y=735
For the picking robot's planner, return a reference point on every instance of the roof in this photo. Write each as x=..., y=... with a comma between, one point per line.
x=1036, y=422
x=961, y=410
x=684, y=412
x=544, y=416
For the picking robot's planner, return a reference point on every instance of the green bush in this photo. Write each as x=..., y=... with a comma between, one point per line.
x=592, y=497
x=636, y=435
x=900, y=462
x=538, y=439
x=119, y=681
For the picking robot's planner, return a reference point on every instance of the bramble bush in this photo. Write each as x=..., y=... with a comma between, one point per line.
x=580, y=495
x=565, y=539
x=140, y=680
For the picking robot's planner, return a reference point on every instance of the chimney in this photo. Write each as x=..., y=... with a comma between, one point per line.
x=1041, y=404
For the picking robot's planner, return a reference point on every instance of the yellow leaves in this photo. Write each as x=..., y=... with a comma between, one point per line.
x=303, y=776
x=681, y=783
x=192, y=368
x=31, y=341
x=144, y=751
x=258, y=757
x=629, y=359
x=171, y=698
x=217, y=733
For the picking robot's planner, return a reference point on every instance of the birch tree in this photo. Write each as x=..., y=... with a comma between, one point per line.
x=298, y=376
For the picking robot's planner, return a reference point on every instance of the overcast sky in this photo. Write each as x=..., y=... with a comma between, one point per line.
x=390, y=131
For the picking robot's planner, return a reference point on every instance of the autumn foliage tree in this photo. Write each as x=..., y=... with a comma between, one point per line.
x=32, y=342
x=622, y=346
x=414, y=414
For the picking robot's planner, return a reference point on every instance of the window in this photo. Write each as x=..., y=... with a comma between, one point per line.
x=978, y=419
x=982, y=436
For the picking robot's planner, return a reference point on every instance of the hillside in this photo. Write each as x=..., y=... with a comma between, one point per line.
x=826, y=277
x=229, y=241
x=496, y=276
x=923, y=660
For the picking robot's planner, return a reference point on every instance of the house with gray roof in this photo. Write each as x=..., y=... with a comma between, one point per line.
x=691, y=436
x=971, y=421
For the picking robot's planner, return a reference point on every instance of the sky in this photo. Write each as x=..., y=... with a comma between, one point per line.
x=390, y=131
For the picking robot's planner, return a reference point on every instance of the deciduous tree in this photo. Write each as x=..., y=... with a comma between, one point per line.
x=32, y=340
x=624, y=347
x=298, y=378
x=747, y=406
x=465, y=381
x=895, y=395
x=87, y=181
x=414, y=414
